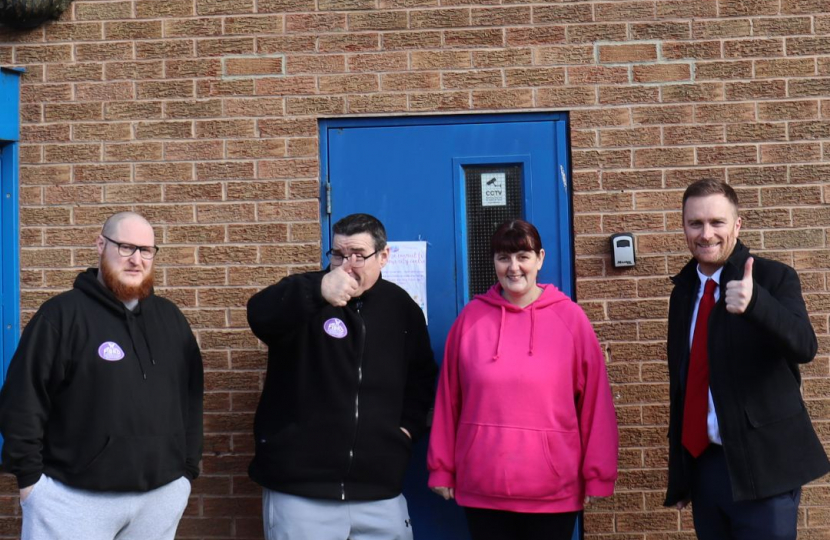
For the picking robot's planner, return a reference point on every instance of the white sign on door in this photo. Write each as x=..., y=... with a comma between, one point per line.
x=407, y=268
x=493, y=189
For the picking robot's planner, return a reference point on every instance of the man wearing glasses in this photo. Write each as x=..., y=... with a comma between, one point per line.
x=350, y=380
x=101, y=412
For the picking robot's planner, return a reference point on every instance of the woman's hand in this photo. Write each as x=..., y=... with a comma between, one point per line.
x=446, y=492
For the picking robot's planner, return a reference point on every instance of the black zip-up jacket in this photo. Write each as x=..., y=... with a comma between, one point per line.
x=768, y=439
x=103, y=398
x=341, y=382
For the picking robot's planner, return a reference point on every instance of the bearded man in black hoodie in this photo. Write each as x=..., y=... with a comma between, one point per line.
x=101, y=411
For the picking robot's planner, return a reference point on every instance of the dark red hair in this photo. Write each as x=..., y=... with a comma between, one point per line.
x=515, y=235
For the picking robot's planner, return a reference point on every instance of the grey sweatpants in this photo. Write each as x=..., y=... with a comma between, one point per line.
x=55, y=511
x=288, y=517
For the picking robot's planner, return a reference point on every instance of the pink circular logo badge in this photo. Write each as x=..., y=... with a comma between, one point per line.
x=110, y=351
x=335, y=328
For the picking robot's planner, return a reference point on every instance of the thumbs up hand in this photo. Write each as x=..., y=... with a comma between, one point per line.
x=739, y=292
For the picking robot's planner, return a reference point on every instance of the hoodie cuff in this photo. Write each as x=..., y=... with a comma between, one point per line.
x=441, y=479
x=599, y=488
x=29, y=479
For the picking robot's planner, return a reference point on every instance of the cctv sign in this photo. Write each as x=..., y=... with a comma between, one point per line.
x=494, y=189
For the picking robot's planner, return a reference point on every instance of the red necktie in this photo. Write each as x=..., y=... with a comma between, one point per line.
x=696, y=407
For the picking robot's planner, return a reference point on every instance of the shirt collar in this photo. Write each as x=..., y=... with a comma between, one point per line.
x=715, y=277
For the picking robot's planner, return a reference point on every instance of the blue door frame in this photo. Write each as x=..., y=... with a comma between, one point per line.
x=9, y=228
x=411, y=173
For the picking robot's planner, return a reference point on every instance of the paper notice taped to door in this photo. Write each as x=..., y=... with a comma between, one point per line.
x=407, y=268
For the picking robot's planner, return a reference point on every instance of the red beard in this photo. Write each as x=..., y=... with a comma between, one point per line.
x=122, y=291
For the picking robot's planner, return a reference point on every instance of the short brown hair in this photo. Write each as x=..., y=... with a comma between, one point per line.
x=514, y=236
x=710, y=186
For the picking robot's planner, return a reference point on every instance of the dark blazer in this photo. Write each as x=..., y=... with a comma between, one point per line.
x=768, y=439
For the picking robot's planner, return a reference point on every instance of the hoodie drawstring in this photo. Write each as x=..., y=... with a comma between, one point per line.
x=498, y=338
x=135, y=350
x=532, y=327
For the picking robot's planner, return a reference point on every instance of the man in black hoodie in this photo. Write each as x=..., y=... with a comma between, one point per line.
x=350, y=379
x=101, y=411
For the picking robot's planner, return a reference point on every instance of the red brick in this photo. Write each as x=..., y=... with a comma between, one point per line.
x=769, y=26
x=315, y=64
x=286, y=85
x=164, y=89
x=788, y=153
x=661, y=30
x=69, y=31
x=410, y=81
x=692, y=92
x=440, y=18
x=224, y=7
x=440, y=60
x=788, y=110
x=566, y=13
x=439, y=101
x=503, y=58
x=410, y=40
x=286, y=44
x=224, y=170
x=198, y=27
x=252, y=66
x=536, y=35
x=590, y=33
x=321, y=22
x=343, y=5
x=627, y=53
x=809, y=88
x=675, y=114
x=377, y=20
x=724, y=28
x=664, y=157
x=722, y=155
x=132, y=110
x=278, y=6
x=755, y=90
x=566, y=96
x=193, y=150
x=502, y=99
x=500, y=16
x=170, y=8
x=32, y=54
x=126, y=30
x=661, y=73
x=723, y=70
x=597, y=75
x=349, y=42
x=217, y=129
x=103, y=10
x=270, y=24
x=225, y=46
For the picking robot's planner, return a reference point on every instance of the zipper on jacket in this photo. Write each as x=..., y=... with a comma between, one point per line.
x=358, y=306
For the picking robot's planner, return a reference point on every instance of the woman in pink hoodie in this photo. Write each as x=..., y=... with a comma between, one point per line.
x=524, y=429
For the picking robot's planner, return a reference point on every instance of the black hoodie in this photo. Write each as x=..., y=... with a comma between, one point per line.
x=341, y=383
x=103, y=398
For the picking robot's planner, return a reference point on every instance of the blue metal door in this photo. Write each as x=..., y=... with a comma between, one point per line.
x=9, y=238
x=417, y=176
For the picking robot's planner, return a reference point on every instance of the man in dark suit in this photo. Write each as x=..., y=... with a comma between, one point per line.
x=741, y=443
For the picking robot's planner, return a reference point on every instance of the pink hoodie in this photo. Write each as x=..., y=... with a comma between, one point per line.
x=524, y=419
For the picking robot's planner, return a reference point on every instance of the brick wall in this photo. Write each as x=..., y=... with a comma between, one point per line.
x=201, y=114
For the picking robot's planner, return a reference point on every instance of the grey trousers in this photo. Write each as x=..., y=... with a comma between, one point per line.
x=288, y=517
x=55, y=511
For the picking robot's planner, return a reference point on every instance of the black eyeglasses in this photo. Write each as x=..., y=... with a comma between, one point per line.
x=356, y=259
x=127, y=250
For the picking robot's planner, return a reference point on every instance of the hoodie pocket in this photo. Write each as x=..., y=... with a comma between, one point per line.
x=136, y=462
x=517, y=463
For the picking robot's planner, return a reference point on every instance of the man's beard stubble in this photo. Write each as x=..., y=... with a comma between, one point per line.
x=122, y=291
